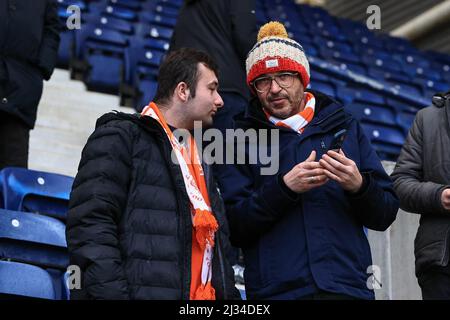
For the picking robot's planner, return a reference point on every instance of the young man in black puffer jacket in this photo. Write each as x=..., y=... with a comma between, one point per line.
x=133, y=228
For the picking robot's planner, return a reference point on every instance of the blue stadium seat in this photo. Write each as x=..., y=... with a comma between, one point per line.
x=22, y=280
x=34, y=239
x=332, y=33
x=141, y=68
x=134, y=5
x=337, y=56
x=407, y=88
x=385, y=63
x=372, y=113
x=141, y=59
x=405, y=120
x=147, y=89
x=411, y=59
x=386, y=140
x=317, y=75
x=60, y=283
x=310, y=49
x=324, y=87
x=158, y=32
x=177, y=4
x=67, y=38
x=371, y=51
x=350, y=94
x=354, y=67
x=112, y=23
x=165, y=10
x=101, y=53
x=104, y=75
x=261, y=17
x=422, y=72
x=442, y=67
x=401, y=106
x=35, y=191
x=157, y=19
x=382, y=74
x=436, y=86
x=121, y=13
x=64, y=4
x=395, y=44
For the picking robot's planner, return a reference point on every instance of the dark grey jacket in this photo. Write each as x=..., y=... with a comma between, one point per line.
x=421, y=174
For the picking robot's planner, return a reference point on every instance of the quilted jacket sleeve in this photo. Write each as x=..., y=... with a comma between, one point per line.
x=97, y=200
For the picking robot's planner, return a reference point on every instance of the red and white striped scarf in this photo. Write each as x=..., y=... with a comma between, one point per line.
x=298, y=121
x=204, y=223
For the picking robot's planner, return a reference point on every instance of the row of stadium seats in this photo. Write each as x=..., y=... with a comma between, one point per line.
x=33, y=249
x=382, y=80
x=119, y=46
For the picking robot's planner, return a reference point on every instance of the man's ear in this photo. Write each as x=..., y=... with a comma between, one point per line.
x=182, y=92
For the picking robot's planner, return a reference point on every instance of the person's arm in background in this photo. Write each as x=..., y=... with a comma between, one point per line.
x=99, y=195
x=48, y=51
x=243, y=20
x=416, y=195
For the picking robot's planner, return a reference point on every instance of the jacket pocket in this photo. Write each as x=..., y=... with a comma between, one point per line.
x=431, y=246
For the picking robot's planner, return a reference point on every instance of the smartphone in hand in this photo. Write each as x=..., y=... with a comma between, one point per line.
x=338, y=140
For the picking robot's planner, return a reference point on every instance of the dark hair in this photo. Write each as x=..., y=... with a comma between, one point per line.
x=181, y=66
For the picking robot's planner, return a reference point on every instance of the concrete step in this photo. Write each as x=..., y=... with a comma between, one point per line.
x=67, y=114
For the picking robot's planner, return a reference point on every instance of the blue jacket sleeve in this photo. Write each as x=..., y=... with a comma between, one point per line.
x=376, y=206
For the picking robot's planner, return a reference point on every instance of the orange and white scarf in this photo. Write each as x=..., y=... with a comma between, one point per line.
x=204, y=223
x=299, y=121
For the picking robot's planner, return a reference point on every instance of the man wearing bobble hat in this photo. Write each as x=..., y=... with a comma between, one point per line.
x=302, y=229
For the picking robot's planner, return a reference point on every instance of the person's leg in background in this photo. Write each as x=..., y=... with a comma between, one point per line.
x=435, y=283
x=14, y=141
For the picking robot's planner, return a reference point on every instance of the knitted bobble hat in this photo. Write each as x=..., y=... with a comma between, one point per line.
x=275, y=52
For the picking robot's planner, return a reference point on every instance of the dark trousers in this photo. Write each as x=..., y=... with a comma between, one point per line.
x=14, y=140
x=435, y=283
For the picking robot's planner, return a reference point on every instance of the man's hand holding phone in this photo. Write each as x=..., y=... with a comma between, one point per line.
x=342, y=169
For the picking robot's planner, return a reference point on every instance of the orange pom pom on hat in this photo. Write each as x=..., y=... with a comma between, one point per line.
x=275, y=52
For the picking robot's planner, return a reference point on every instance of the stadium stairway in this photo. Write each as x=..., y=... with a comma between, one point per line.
x=66, y=117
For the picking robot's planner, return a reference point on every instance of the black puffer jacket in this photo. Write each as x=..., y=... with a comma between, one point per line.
x=129, y=223
x=421, y=174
